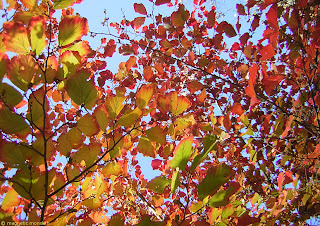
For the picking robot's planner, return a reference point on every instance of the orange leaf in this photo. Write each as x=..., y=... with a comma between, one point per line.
x=237, y=109
x=138, y=22
x=139, y=8
x=15, y=38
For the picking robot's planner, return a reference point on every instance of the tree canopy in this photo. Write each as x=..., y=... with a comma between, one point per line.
x=226, y=113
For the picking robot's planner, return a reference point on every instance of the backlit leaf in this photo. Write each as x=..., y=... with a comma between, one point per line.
x=161, y=2
x=182, y=154
x=180, y=17
x=221, y=198
x=114, y=105
x=158, y=184
x=10, y=200
x=209, y=144
x=88, y=125
x=12, y=123
x=37, y=27
x=72, y=28
x=144, y=95
x=101, y=115
x=9, y=95
x=80, y=90
x=157, y=134
x=112, y=168
x=130, y=117
x=215, y=178
x=146, y=148
x=16, y=38
x=116, y=220
x=61, y=4
x=139, y=8
x=175, y=182
x=179, y=103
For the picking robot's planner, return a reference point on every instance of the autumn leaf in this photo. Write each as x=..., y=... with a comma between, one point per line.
x=179, y=104
x=71, y=29
x=146, y=148
x=144, y=95
x=139, y=8
x=180, y=17
x=61, y=4
x=15, y=38
x=214, y=179
x=182, y=154
x=158, y=184
x=37, y=36
x=114, y=105
x=81, y=90
x=88, y=125
x=161, y=2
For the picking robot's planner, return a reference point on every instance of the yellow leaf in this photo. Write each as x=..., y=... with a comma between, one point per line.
x=16, y=38
x=88, y=125
x=144, y=95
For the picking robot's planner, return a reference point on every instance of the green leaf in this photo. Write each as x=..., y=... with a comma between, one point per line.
x=130, y=117
x=209, y=143
x=175, y=182
x=215, y=178
x=112, y=168
x=158, y=184
x=182, y=154
x=9, y=95
x=12, y=123
x=13, y=155
x=80, y=90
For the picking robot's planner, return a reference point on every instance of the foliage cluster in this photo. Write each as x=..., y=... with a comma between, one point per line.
x=233, y=128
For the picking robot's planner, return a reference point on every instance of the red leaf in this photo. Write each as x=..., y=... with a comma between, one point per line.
x=139, y=8
x=110, y=48
x=227, y=29
x=267, y=52
x=156, y=163
x=272, y=17
x=271, y=82
x=161, y=2
x=241, y=10
x=237, y=109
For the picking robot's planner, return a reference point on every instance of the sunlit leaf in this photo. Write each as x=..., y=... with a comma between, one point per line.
x=114, y=105
x=10, y=200
x=9, y=95
x=144, y=95
x=81, y=90
x=179, y=103
x=16, y=38
x=158, y=184
x=130, y=117
x=101, y=115
x=61, y=4
x=215, y=178
x=72, y=28
x=116, y=219
x=36, y=30
x=156, y=134
x=88, y=125
x=12, y=123
x=146, y=148
x=209, y=144
x=112, y=168
x=175, y=182
x=182, y=154
x=139, y=8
